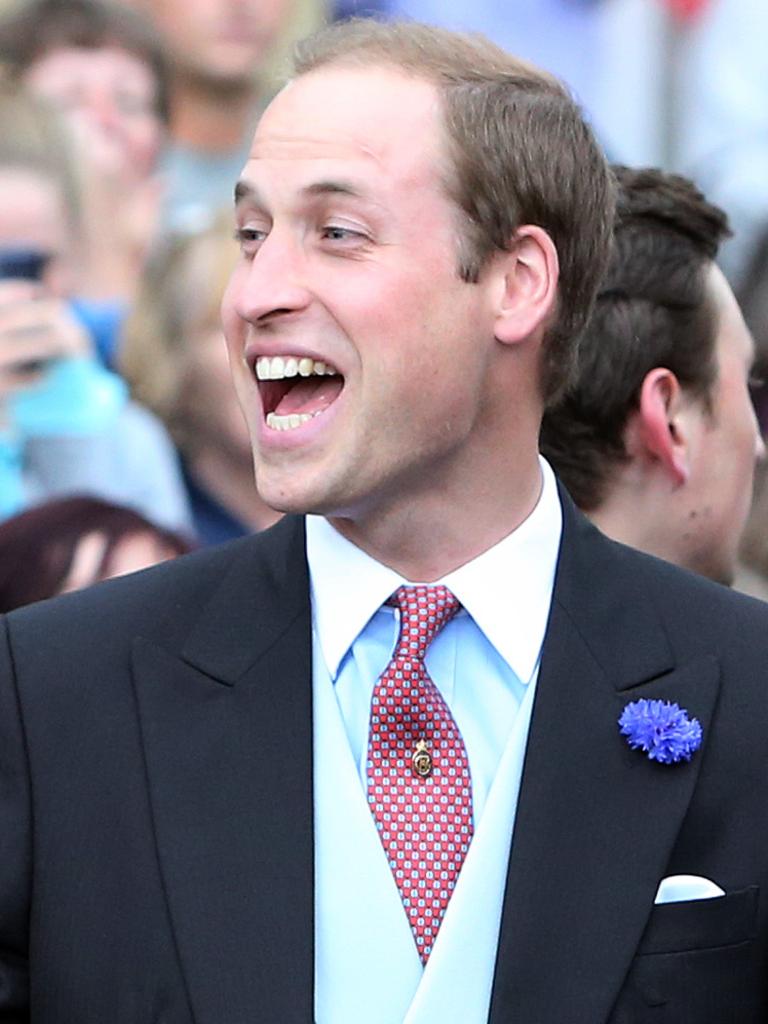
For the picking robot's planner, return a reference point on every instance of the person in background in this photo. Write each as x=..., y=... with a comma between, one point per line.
x=70, y=543
x=723, y=137
x=656, y=439
x=66, y=424
x=752, y=571
x=99, y=63
x=217, y=50
x=174, y=357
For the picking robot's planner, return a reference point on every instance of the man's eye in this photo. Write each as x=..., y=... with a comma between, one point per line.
x=334, y=233
x=249, y=239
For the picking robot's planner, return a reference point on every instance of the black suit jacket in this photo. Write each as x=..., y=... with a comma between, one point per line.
x=156, y=834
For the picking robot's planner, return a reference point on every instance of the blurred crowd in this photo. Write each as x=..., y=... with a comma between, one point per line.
x=123, y=127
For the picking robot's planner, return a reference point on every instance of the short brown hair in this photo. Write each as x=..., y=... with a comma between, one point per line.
x=37, y=27
x=521, y=153
x=653, y=309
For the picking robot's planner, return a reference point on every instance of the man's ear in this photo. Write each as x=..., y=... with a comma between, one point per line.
x=526, y=292
x=660, y=426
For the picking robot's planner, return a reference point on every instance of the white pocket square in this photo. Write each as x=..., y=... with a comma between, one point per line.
x=678, y=888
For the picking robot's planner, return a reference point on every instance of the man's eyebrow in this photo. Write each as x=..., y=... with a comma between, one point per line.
x=244, y=190
x=332, y=187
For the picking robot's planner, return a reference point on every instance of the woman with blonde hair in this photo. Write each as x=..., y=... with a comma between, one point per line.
x=174, y=357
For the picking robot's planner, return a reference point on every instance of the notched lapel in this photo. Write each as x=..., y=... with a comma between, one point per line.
x=258, y=598
x=230, y=779
x=596, y=820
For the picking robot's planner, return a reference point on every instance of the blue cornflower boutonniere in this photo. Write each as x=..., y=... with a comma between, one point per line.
x=662, y=729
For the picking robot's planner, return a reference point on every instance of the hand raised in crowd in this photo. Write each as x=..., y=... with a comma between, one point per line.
x=35, y=329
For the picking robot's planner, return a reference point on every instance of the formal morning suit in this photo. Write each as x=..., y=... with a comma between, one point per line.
x=156, y=804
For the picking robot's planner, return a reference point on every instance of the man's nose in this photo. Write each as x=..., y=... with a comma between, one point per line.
x=274, y=284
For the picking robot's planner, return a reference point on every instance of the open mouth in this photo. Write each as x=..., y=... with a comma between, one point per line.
x=295, y=389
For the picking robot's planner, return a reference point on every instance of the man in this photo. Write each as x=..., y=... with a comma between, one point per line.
x=277, y=805
x=657, y=439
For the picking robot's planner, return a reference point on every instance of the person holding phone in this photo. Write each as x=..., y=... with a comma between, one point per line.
x=36, y=327
x=102, y=67
x=66, y=423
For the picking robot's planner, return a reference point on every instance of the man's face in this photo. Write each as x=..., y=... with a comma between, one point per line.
x=109, y=97
x=349, y=259
x=220, y=41
x=728, y=445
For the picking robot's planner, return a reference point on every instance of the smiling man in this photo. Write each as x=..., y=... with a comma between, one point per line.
x=432, y=748
x=369, y=256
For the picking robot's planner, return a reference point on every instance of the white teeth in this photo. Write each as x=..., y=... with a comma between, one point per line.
x=289, y=422
x=278, y=368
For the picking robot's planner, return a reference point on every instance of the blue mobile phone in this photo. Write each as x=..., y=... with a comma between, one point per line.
x=23, y=264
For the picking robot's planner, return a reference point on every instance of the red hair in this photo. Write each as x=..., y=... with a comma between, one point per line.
x=37, y=546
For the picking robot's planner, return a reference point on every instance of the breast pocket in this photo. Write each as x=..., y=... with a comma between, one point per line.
x=701, y=924
x=697, y=963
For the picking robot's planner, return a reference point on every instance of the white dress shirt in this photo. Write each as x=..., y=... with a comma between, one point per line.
x=482, y=661
x=485, y=663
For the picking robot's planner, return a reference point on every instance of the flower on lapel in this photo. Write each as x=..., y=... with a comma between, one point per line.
x=662, y=729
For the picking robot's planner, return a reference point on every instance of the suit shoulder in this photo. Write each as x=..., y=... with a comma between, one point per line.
x=127, y=605
x=670, y=577
x=160, y=602
x=685, y=596
x=607, y=587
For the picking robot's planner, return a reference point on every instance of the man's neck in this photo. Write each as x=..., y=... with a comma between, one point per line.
x=640, y=518
x=426, y=538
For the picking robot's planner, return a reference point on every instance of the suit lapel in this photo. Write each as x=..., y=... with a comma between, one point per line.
x=227, y=729
x=596, y=821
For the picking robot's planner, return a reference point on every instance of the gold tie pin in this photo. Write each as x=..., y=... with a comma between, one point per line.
x=422, y=760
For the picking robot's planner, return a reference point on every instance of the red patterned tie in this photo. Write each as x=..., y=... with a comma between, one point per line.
x=419, y=787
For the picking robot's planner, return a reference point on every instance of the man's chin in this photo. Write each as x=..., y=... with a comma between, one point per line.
x=305, y=487
x=294, y=501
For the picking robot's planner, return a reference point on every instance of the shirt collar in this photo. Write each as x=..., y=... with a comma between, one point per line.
x=507, y=589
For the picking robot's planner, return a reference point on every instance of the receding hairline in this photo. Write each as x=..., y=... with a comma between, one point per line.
x=345, y=183
x=428, y=52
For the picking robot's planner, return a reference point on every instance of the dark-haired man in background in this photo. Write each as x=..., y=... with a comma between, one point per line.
x=367, y=766
x=656, y=438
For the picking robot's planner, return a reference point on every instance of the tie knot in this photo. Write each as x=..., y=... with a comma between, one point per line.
x=423, y=613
